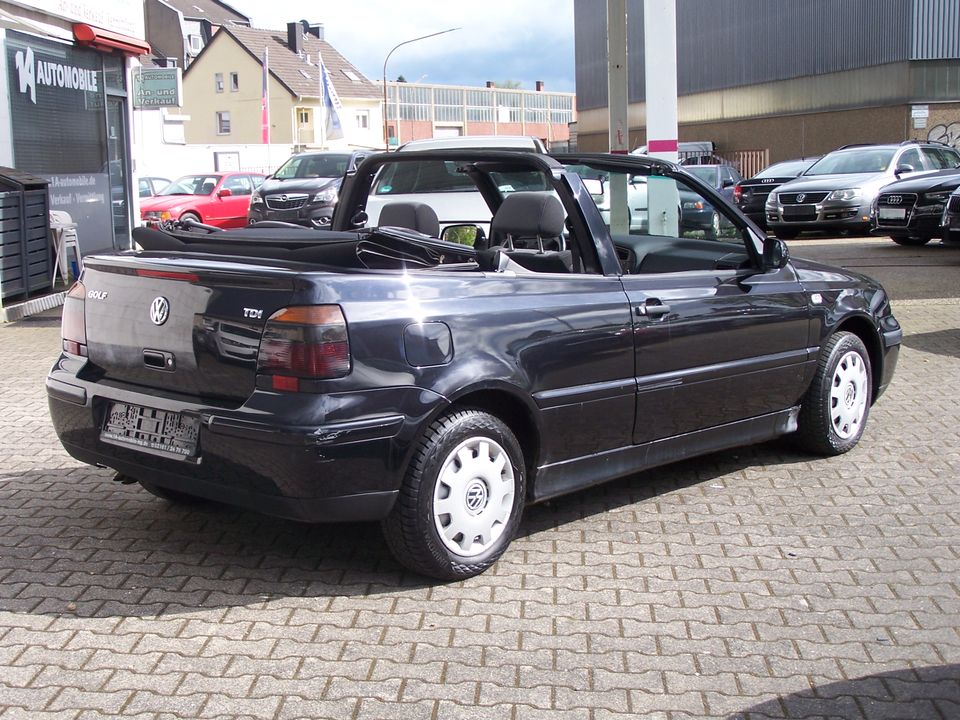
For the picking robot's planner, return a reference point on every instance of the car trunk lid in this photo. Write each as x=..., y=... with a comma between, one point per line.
x=186, y=326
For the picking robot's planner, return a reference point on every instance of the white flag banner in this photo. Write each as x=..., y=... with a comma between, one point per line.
x=330, y=101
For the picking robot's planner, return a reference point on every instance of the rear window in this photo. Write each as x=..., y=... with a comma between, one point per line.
x=790, y=168
x=432, y=176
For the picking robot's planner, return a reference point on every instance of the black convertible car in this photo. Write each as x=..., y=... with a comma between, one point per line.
x=385, y=373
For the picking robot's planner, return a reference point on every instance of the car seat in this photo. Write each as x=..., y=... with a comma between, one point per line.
x=411, y=215
x=532, y=219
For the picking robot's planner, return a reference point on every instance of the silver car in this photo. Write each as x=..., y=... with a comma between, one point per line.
x=836, y=193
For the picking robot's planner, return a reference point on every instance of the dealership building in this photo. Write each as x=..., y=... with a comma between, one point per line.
x=780, y=79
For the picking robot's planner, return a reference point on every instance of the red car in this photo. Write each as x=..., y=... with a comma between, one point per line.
x=219, y=199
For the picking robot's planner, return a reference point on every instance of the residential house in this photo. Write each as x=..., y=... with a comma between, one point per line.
x=178, y=30
x=223, y=90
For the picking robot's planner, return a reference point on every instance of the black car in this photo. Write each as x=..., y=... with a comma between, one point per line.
x=950, y=223
x=910, y=211
x=304, y=190
x=751, y=194
x=382, y=373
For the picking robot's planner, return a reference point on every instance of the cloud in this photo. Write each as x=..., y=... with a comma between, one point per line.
x=523, y=40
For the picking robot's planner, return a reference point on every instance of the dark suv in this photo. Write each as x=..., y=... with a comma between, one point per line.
x=838, y=191
x=910, y=211
x=304, y=190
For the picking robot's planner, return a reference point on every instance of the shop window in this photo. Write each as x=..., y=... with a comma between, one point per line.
x=218, y=82
x=223, y=123
x=363, y=119
x=234, y=82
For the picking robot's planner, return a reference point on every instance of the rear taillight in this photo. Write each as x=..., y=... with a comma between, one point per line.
x=302, y=344
x=73, y=328
x=737, y=192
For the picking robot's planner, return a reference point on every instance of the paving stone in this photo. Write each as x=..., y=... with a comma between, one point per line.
x=752, y=583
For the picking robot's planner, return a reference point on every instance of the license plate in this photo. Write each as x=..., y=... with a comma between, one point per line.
x=889, y=213
x=800, y=212
x=157, y=431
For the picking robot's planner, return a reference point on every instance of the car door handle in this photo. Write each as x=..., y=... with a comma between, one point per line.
x=652, y=309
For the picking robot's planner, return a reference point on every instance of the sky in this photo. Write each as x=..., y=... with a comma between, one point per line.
x=499, y=40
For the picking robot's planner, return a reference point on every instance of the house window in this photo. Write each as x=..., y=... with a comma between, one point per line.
x=223, y=123
x=234, y=82
x=363, y=119
x=303, y=117
x=218, y=82
x=196, y=43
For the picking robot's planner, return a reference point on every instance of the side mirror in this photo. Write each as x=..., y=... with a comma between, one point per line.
x=465, y=234
x=727, y=183
x=903, y=168
x=359, y=220
x=775, y=253
x=224, y=192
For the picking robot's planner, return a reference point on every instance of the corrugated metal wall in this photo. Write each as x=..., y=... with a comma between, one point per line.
x=730, y=43
x=936, y=29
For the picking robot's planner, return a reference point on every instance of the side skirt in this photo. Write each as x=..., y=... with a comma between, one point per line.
x=570, y=475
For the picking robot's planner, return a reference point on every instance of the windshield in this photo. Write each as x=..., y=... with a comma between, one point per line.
x=191, y=185
x=861, y=160
x=429, y=176
x=707, y=174
x=790, y=168
x=313, y=166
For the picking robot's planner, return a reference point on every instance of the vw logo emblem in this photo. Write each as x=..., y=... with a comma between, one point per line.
x=800, y=197
x=159, y=310
x=476, y=496
x=894, y=199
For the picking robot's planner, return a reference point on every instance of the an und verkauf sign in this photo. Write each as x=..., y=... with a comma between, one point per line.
x=157, y=87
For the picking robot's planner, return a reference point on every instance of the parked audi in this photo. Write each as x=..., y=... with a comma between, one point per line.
x=838, y=191
x=950, y=223
x=910, y=211
x=751, y=195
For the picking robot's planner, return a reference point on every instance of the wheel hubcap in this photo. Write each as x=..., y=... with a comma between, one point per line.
x=848, y=395
x=473, y=499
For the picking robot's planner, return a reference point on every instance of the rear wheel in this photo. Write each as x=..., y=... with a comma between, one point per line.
x=834, y=410
x=462, y=497
x=904, y=240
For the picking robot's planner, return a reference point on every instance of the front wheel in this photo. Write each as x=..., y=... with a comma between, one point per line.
x=462, y=497
x=192, y=216
x=834, y=409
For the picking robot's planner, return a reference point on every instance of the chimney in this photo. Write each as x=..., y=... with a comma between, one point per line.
x=295, y=37
x=540, y=85
x=490, y=84
x=316, y=30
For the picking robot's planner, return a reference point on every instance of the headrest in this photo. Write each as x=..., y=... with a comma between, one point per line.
x=529, y=214
x=410, y=215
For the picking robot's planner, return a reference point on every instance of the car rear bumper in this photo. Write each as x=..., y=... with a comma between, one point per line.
x=343, y=470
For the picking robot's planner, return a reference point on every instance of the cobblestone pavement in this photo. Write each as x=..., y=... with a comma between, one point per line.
x=755, y=583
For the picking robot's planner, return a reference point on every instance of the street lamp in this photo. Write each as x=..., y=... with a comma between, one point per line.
x=386, y=138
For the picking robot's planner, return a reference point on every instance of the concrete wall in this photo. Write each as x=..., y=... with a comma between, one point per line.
x=788, y=136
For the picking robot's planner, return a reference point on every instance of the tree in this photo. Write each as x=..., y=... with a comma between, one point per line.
x=401, y=78
x=509, y=84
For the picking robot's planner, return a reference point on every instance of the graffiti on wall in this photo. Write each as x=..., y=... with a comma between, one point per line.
x=947, y=134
